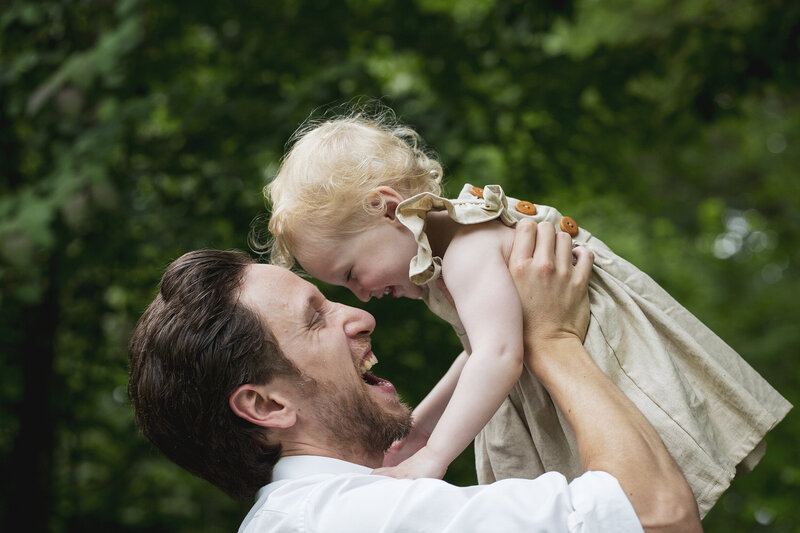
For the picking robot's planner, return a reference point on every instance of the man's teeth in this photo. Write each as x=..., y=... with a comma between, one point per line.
x=387, y=290
x=367, y=363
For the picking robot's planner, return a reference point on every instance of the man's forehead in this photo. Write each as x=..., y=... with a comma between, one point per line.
x=274, y=288
x=266, y=273
x=269, y=285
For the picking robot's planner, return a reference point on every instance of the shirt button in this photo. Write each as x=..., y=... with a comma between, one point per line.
x=477, y=191
x=569, y=225
x=526, y=208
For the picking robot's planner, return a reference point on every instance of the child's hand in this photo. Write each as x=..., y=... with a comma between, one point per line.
x=405, y=448
x=422, y=464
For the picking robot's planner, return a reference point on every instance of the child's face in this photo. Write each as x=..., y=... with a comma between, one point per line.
x=371, y=263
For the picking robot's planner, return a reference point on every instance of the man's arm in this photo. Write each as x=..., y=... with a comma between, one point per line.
x=613, y=436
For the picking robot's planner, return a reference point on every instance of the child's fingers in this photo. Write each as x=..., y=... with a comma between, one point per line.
x=524, y=242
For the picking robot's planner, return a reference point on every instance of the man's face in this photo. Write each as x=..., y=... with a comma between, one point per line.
x=330, y=344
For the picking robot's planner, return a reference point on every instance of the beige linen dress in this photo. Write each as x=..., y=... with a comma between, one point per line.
x=709, y=406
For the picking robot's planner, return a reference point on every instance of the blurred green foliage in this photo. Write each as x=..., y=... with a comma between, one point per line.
x=133, y=131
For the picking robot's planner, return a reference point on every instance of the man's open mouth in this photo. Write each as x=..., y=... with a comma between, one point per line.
x=369, y=379
x=367, y=363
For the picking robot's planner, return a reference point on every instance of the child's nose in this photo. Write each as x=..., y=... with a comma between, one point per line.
x=360, y=292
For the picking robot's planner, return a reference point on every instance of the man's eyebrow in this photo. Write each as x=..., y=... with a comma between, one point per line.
x=308, y=306
x=312, y=302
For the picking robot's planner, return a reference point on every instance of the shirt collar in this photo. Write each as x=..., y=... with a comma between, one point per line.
x=297, y=466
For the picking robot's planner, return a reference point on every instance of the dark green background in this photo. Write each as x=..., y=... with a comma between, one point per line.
x=132, y=131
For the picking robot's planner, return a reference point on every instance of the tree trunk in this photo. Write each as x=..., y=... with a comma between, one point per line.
x=29, y=471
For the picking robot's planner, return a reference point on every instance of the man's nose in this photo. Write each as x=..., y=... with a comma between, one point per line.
x=358, y=322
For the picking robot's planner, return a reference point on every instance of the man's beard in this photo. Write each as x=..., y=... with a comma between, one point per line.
x=353, y=419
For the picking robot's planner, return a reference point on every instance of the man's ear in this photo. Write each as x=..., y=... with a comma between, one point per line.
x=263, y=407
x=386, y=197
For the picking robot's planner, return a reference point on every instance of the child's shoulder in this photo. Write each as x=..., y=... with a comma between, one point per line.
x=481, y=240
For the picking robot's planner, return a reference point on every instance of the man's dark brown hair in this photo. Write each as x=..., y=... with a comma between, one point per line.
x=192, y=347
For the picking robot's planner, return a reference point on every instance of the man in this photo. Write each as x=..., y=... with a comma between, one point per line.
x=237, y=365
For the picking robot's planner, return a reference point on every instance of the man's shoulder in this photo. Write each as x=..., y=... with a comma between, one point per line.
x=287, y=504
x=356, y=501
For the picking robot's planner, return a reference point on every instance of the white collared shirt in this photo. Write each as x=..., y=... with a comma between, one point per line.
x=311, y=494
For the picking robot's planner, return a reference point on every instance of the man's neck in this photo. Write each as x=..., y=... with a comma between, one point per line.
x=349, y=455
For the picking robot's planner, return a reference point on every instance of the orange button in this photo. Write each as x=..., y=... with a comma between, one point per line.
x=526, y=208
x=477, y=191
x=569, y=226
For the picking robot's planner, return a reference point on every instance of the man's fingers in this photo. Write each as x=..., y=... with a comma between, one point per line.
x=584, y=259
x=524, y=242
x=563, y=252
x=545, y=243
x=548, y=246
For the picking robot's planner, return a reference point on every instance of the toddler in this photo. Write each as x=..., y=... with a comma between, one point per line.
x=357, y=202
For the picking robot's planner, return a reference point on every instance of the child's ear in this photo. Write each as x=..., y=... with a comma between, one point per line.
x=388, y=198
x=263, y=407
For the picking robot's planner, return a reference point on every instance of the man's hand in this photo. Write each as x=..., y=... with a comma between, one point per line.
x=612, y=434
x=552, y=290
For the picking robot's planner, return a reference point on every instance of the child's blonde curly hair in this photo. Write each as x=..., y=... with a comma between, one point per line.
x=325, y=183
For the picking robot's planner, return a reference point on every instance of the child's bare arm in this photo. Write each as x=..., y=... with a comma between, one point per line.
x=488, y=305
x=429, y=411
x=426, y=415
